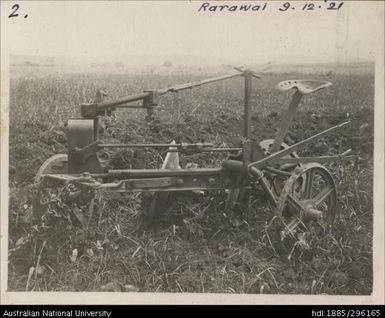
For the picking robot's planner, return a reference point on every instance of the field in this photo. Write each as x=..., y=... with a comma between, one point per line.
x=197, y=247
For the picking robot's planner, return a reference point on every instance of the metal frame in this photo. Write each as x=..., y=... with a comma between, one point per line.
x=250, y=165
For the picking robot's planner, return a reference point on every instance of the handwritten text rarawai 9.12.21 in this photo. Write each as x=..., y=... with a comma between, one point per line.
x=264, y=6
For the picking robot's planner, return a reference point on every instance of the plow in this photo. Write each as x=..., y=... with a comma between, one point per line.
x=301, y=189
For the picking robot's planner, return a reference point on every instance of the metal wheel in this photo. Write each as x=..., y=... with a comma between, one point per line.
x=309, y=195
x=55, y=164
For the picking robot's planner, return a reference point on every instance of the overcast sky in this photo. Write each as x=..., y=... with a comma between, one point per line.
x=177, y=28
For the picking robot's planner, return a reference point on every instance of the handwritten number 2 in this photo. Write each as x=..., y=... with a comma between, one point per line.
x=14, y=14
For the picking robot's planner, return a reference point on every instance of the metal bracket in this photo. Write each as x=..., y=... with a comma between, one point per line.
x=151, y=183
x=251, y=151
x=89, y=110
x=150, y=101
x=81, y=134
x=82, y=154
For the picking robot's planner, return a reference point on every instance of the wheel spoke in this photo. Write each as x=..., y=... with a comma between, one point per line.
x=294, y=202
x=309, y=184
x=310, y=195
x=322, y=196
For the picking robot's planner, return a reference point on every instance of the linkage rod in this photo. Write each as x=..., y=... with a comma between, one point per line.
x=130, y=145
x=180, y=87
x=199, y=147
x=198, y=150
x=155, y=173
x=123, y=100
x=277, y=155
x=176, y=88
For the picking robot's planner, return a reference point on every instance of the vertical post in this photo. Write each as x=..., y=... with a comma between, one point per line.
x=286, y=121
x=150, y=113
x=248, y=87
x=149, y=102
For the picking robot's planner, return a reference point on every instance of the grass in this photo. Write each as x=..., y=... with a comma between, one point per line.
x=196, y=247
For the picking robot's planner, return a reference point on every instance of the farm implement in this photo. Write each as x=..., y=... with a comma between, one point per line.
x=301, y=189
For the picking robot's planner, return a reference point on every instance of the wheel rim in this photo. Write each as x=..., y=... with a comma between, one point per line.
x=310, y=194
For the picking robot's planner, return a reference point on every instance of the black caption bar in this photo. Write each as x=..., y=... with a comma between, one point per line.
x=110, y=311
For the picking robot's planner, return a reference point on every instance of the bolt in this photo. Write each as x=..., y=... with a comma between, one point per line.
x=179, y=181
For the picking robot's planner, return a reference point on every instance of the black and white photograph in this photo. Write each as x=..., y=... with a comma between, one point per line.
x=192, y=152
